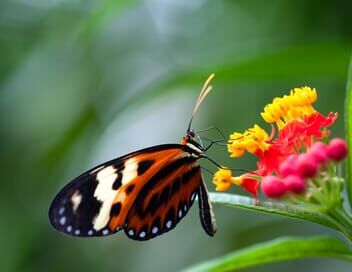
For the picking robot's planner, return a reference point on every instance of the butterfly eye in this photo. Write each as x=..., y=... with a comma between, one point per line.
x=191, y=133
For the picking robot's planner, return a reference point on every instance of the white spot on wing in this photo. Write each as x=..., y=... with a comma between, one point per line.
x=105, y=194
x=77, y=232
x=105, y=232
x=76, y=199
x=155, y=230
x=168, y=224
x=105, y=173
x=142, y=234
x=62, y=220
x=90, y=232
x=130, y=171
x=69, y=228
x=180, y=213
x=62, y=210
x=130, y=232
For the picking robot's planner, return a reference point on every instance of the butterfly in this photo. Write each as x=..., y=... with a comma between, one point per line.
x=145, y=193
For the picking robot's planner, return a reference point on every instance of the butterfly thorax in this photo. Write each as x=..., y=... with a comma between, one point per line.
x=194, y=148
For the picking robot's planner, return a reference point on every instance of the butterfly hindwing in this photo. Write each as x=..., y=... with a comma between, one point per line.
x=97, y=202
x=164, y=199
x=207, y=217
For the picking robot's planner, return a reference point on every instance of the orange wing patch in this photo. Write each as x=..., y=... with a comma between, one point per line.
x=97, y=202
x=146, y=167
x=163, y=201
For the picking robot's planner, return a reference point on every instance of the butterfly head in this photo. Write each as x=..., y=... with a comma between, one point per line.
x=189, y=140
x=189, y=137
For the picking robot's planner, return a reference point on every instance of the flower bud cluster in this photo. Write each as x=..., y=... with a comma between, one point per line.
x=296, y=171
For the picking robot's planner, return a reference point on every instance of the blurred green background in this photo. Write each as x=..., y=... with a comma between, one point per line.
x=82, y=82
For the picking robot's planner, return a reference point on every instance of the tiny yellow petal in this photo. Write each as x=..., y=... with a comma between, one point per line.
x=222, y=180
x=236, y=136
x=235, y=152
x=294, y=106
x=268, y=117
x=251, y=140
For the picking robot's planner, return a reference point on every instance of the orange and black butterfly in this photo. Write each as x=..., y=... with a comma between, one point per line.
x=145, y=193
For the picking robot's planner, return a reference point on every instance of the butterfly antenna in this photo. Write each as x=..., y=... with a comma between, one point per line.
x=203, y=93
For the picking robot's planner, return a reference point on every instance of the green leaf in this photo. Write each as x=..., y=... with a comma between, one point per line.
x=284, y=63
x=282, y=249
x=275, y=208
x=348, y=123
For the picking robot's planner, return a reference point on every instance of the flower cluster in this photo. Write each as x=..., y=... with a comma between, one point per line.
x=296, y=171
x=291, y=153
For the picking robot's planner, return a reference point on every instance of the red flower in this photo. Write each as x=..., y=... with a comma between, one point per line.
x=294, y=136
x=250, y=185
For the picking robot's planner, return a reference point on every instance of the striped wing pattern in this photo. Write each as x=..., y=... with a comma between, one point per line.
x=146, y=193
x=164, y=199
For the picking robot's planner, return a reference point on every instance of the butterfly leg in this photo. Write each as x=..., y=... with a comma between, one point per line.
x=212, y=128
x=212, y=142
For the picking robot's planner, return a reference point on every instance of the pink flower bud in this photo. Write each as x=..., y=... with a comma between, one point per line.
x=307, y=167
x=337, y=149
x=273, y=187
x=289, y=166
x=295, y=184
x=319, y=152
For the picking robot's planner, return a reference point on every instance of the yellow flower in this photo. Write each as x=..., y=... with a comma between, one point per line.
x=251, y=140
x=305, y=96
x=294, y=106
x=222, y=180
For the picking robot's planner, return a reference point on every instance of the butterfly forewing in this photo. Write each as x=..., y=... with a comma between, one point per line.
x=97, y=202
